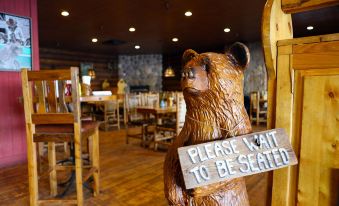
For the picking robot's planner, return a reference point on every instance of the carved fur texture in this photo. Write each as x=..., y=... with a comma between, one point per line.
x=214, y=111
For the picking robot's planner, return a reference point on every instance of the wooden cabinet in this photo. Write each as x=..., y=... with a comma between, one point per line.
x=307, y=106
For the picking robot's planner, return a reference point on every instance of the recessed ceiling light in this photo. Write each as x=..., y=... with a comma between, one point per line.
x=175, y=39
x=310, y=28
x=227, y=30
x=188, y=13
x=94, y=40
x=132, y=29
x=65, y=13
x=137, y=47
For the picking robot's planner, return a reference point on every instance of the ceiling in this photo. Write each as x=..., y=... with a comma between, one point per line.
x=158, y=21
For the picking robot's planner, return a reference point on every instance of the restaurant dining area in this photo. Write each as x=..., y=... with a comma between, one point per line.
x=168, y=102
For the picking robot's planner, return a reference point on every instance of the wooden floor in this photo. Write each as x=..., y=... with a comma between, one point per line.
x=130, y=175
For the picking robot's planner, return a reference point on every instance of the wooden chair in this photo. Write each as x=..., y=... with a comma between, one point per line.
x=150, y=99
x=135, y=126
x=110, y=114
x=52, y=122
x=164, y=134
x=258, y=108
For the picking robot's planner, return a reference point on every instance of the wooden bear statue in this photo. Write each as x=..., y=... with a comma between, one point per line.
x=213, y=90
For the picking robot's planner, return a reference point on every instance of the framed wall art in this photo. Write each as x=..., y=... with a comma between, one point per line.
x=85, y=67
x=15, y=42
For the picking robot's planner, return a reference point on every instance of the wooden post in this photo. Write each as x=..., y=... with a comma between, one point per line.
x=31, y=146
x=275, y=25
x=77, y=134
x=78, y=163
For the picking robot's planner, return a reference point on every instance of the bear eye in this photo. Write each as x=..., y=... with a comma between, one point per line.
x=190, y=74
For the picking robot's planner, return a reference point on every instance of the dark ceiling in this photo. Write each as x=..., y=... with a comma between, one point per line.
x=158, y=21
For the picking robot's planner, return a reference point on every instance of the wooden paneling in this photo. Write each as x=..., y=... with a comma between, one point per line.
x=52, y=118
x=318, y=142
x=315, y=60
x=49, y=75
x=316, y=47
x=308, y=40
x=294, y=6
x=12, y=123
x=105, y=66
x=307, y=107
x=284, y=107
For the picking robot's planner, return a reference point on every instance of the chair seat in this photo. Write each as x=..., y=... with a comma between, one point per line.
x=167, y=125
x=140, y=122
x=62, y=132
x=65, y=128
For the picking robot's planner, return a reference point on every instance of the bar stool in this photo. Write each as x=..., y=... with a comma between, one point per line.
x=53, y=123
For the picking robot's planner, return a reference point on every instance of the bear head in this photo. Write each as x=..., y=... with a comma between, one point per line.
x=213, y=90
x=210, y=76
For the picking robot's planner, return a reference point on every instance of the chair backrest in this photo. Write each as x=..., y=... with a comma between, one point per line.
x=132, y=101
x=150, y=99
x=181, y=111
x=254, y=99
x=112, y=106
x=44, y=96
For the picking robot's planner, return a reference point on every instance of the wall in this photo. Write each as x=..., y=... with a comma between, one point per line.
x=172, y=83
x=139, y=70
x=255, y=77
x=12, y=122
x=105, y=66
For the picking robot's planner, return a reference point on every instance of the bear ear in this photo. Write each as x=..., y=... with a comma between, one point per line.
x=188, y=55
x=241, y=53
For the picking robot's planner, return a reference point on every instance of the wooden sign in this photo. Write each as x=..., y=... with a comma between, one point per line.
x=216, y=161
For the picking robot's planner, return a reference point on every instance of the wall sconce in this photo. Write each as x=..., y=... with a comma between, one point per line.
x=169, y=72
x=91, y=73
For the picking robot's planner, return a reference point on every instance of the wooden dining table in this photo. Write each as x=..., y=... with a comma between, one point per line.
x=98, y=99
x=156, y=110
x=146, y=111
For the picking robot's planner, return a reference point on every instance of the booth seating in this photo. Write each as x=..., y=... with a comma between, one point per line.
x=55, y=121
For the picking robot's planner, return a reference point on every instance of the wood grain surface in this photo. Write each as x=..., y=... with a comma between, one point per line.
x=217, y=161
x=130, y=176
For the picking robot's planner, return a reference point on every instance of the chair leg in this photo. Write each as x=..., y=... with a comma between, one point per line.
x=143, y=138
x=90, y=149
x=155, y=146
x=78, y=164
x=66, y=150
x=40, y=154
x=118, y=116
x=127, y=134
x=52, y=163
x=95, y=162
x=32, y=168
